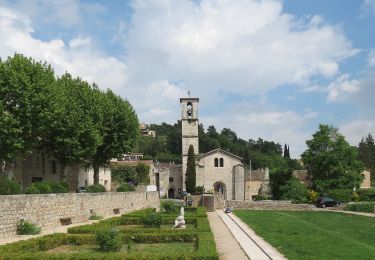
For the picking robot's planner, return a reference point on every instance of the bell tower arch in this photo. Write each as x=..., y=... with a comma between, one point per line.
x=189, y=122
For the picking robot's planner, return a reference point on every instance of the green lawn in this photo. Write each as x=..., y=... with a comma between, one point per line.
x=314, y=235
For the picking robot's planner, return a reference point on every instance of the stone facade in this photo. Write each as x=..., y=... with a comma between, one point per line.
x=38, y=167
x=189, y=121
x=366, y=183
x=267, y=205
x=219, y=168
x=46, y=210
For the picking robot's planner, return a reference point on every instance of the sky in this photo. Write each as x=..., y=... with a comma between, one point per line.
x=267, y=69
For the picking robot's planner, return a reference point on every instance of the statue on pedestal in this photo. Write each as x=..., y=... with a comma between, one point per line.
x=180, y=220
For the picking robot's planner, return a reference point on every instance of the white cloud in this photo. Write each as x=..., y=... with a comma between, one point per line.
x=254, y=121
x=341, y=87
x=248, y=47
x=80, y=57
x=355, y=130
x=371, y=58
x=369, y=5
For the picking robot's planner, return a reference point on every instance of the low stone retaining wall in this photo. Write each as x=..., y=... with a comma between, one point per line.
x=267, y=205
x=47, y=210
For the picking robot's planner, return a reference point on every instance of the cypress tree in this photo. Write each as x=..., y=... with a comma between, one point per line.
x=190, y=176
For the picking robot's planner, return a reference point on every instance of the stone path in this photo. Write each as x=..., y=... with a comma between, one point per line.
x=253, y=245
x=227, y=246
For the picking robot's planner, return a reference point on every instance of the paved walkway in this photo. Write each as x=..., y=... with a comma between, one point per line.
x=348, y=212
x=253, y=245
x=227, y=246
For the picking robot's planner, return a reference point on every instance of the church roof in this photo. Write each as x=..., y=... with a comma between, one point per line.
x=218, y=150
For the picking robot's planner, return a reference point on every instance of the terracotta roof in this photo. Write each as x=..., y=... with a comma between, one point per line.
x=218, y=150
x=133, y=163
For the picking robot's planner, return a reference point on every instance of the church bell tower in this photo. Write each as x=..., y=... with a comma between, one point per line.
x=189, y=122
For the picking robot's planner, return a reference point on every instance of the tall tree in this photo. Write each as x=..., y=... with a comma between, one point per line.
x=25, y=88
x=366, y=153
x=331, y=161
x=74, y=136
x=119, y=130
x=190, y=175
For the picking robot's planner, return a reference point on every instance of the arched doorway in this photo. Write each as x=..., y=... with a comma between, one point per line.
x=221, y=189
x=171, y=193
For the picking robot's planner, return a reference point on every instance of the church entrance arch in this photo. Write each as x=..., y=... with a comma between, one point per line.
x=220, y=189
x=171, y=193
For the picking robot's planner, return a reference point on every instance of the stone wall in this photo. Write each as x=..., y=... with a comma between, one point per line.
x=267, y=205
x=46, y=210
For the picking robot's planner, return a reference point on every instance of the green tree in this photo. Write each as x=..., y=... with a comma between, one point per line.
x=331, y=161
x=190, y=176
x=25, y=88
x=366, y=153
x=73, y=136
x=119, y=130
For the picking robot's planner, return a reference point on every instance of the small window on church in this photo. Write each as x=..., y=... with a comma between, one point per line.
x=216, y=162
x=189, y=110
x=221, y=162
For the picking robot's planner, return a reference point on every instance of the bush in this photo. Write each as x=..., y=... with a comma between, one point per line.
x=295, y=191
x=366, y=194
x=313, y=196
x=341, y=195
x=32, y=189
x=355, y=196
x=152, y=220
x=109, y=240
x=199, y=189
x=59, y=187
x=27, y=228
x=125, y=188
x=95, y=217
x=96, y=188
x=360, y=207
x=9, y=187
x=169, y=206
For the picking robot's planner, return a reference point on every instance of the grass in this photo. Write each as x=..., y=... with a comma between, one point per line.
x=314, y=235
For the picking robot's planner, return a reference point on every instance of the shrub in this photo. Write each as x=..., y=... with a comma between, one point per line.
x=366, y=194
x=95, y=217
x=199, y=189
x=125, y=188
x=313, y=196
x=59, y=187
x=95, y=188
x=27, y=228
x=32, y=189
x=355, y=196
x=109, y=240
x=295, y=191
x=169, y=206
x=152, y=220
x=341, y=195
x=360, y=207
x=9, y=187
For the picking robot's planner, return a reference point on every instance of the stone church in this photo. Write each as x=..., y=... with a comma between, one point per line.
x=218, y=171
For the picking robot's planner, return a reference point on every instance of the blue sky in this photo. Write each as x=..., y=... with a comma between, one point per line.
x=271, y=69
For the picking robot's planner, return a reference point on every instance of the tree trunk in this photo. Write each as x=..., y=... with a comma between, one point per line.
x=62, y=172
x=96, y=173
x=44, y=164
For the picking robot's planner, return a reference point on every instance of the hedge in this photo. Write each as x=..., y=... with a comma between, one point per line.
x=360, y=207
x=200, y=235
